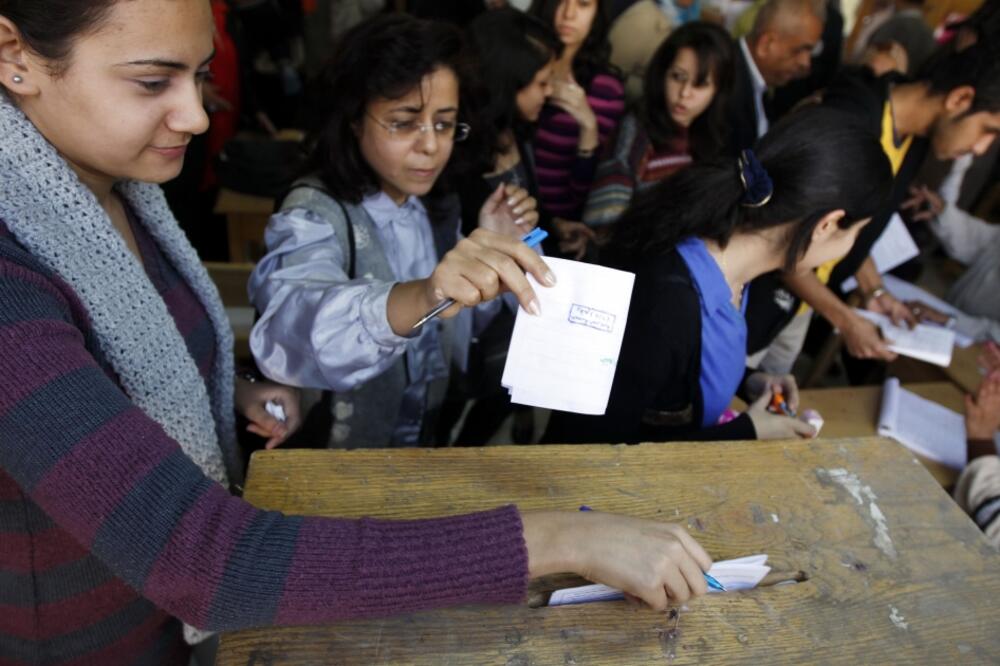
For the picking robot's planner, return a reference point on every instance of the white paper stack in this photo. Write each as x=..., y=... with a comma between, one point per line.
x=922, y=425
x=932, y=344
x=566, y=358
x=743, y=573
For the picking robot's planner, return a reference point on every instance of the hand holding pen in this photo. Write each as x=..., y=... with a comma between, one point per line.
x=483, y=265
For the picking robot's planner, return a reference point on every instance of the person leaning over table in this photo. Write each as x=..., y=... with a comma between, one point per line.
x=116, y=394
x=694, y=242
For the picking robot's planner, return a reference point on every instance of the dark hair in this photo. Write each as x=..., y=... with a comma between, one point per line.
x=977, y=65
x=49, y=27
x=386, y=56
x=511, y=47
x=985, y=21
x=594, y=56
x=819, y=160
x=714, y=49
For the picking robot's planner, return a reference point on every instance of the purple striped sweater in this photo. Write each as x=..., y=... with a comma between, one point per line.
x=563, y=177
x=109, y=534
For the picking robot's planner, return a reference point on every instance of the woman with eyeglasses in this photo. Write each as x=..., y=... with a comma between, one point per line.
x=365, y=246
x=116, y=385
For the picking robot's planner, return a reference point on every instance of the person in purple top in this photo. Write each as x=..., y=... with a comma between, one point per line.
x=580, y=117
x=116, y=391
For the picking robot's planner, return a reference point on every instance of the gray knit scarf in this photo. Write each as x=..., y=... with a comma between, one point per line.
x=54, y=216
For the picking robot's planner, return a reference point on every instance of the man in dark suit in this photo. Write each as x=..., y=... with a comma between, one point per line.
x=778, y=50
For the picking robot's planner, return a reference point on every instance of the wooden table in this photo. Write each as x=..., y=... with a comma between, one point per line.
x=897, y=574
x=853, y=412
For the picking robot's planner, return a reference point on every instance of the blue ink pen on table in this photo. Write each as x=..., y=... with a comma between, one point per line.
x=712, y=583
x=531, y=239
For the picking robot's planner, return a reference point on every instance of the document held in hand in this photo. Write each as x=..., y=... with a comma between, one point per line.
x=931, y=344
x=566, y=357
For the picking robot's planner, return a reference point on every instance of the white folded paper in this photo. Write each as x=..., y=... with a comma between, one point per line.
x=743, y=573
x=566, y=357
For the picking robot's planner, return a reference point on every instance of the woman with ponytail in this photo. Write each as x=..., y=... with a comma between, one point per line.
x=695, y=242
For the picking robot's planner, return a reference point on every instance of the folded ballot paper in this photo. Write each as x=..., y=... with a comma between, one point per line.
x=565, y=358
x=743, y=573
x=933, y=344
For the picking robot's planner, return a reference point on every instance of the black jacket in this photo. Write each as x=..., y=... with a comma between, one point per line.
x=656, y=395
x=741, y=108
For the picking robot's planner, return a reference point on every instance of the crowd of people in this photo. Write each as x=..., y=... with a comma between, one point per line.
x=741, y=179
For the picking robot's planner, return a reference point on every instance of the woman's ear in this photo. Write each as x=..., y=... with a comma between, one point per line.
x=828, y=225
x=16, y=75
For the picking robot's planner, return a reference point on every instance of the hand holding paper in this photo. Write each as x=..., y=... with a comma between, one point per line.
x=565, y=358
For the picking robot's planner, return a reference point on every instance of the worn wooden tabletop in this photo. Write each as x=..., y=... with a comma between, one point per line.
x=896, y=572
x=853, y=411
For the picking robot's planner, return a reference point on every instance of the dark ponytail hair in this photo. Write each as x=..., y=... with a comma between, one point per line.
x=716, y=54
x=510, y=47
x=49, y=27
x=819, y=160
x=594, y=56
x=386, y=56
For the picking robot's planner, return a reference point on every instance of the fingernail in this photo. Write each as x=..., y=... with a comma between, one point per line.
x=534, y=308
x=550, y=279
x=519, y=220
x=438, y=294
x=511, y=201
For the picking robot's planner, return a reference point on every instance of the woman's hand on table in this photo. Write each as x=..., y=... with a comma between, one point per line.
x=776, y=426
x=251, y=401
x=759, y=383
x=659, y=563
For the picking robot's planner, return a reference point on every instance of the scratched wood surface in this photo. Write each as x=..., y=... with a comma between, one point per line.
x=853, y=412
x=897, y=573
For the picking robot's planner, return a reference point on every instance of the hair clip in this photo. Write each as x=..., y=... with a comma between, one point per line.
x=757, y=184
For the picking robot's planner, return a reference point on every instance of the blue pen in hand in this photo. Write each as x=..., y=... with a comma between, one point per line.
x=531, y=239
x=714, y=584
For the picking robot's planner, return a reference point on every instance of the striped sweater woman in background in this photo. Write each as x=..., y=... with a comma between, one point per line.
x=680, y=119
x=582, y=113
x=117, y=391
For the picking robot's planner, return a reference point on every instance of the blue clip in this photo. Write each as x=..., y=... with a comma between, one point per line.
x=534, y=237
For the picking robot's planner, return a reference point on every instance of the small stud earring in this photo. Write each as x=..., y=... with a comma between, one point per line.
x=18, y=78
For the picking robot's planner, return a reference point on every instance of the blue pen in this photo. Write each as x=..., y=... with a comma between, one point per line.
x=714, y=584
x=531, y=239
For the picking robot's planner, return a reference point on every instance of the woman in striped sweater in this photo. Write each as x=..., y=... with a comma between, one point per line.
x=116, y=390
x=681, y=119
x=583, y=110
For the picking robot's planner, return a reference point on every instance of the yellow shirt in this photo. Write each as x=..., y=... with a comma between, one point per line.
x=896, y=154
